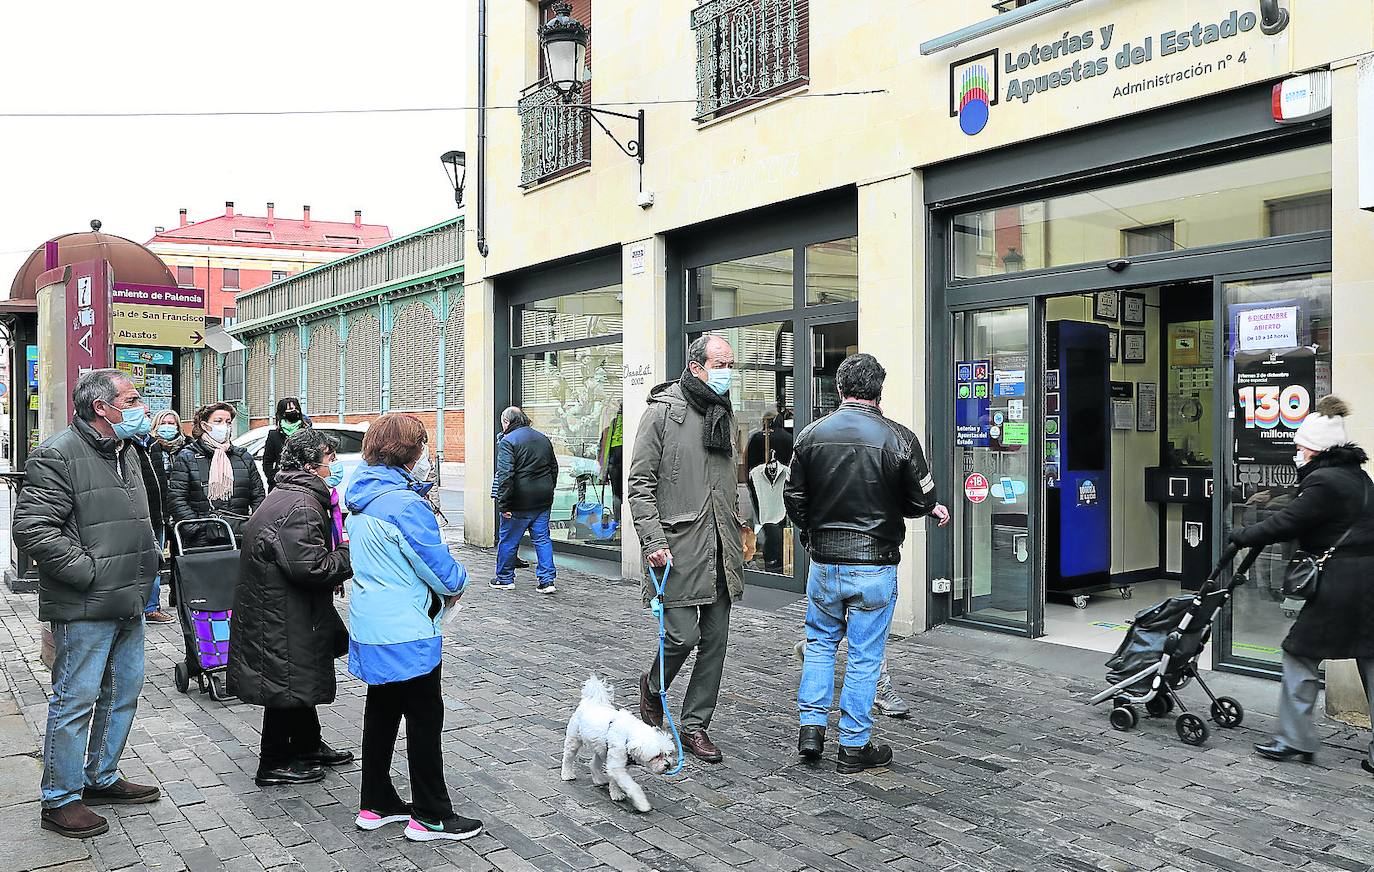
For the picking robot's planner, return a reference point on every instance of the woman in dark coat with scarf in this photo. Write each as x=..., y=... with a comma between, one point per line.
x=285, y=629
x=289, y=421
x=213, y=478
x=1332, y=509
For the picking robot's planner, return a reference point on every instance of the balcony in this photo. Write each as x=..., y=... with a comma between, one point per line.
x=555, y=139
x=748, y=50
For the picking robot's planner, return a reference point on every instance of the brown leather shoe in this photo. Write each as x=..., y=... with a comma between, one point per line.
x=121, y=793
x=74, y=821
x=701, y=745
x=650, y=703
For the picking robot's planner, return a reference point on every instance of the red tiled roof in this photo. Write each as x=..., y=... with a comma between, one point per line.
x=283, y=232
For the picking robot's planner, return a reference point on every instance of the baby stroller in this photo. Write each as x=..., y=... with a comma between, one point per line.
x=1159, y=657
x=205, y=578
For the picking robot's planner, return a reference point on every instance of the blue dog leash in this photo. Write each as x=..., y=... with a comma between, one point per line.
x=656, y=605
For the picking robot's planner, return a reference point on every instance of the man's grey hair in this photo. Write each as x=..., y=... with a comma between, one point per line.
x=307, y=449
x=98, y=384
x=861, y=377
x=513, y=418
x=696, y=352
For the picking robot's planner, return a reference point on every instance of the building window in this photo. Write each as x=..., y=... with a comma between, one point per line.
x=748, y=50
x=1153, y=239
x=1009, y=5
x=278, y=275
x=554, y=139
x=186, y=276
x=231, y=279
x=1307, y=213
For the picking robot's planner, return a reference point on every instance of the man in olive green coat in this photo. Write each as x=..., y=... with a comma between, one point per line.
x=683, y=495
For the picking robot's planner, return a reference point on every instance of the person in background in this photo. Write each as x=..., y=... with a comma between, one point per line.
x=285, y=630
x=167, y=442
x=526, y=473
x=213, y=478
x=404, y=582
x=856, y=476
x=142, y=443
x=289, y=420
x=683, y=497
x=1333, y=515
x=83, y=518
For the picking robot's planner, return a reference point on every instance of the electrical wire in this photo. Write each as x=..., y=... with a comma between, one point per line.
x=380, y=111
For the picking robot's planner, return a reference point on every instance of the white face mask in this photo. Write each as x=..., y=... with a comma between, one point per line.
x=219, y=432
x=1300, y=459
x=422, y=468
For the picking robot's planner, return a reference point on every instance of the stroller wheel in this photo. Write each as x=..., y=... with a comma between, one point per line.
x=1124, y=718
x=1160, y=706
x=1127, y=593
x=182, y=678
x=1227, y=712
x=1191, y=729
x=1080, y=602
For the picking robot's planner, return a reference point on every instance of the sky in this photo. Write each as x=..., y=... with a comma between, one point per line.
x=133, y=174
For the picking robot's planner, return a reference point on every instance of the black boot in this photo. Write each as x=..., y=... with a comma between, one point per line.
x=1281, y=750
x=811, y=743
x=870, y=756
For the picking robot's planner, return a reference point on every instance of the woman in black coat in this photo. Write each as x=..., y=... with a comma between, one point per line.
x=1332, y=509
x=213, y=478
x=289, y=421
x=285, y=629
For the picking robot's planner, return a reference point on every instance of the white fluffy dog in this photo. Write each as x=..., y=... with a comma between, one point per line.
x=616, y=738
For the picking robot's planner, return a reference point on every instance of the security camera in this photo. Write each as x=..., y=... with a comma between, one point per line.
x=1118, y=265
x=646, y=199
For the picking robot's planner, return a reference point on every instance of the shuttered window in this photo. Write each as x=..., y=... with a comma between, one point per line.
x=363, y=360
x=209, y=377
x=414, y=358
x=186, y=385
x=323, y=373
x=288, y=363
x=454, y=385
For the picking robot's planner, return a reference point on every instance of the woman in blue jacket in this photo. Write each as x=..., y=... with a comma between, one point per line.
x=403, y=580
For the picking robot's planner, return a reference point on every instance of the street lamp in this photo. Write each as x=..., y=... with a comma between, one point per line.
x=1013, y=261
x=563, y=41
x=456, y=168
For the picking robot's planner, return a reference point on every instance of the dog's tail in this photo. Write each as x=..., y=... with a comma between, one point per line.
x=597, y=691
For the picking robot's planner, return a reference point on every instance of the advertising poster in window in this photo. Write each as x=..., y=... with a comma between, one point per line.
x=1273, y=392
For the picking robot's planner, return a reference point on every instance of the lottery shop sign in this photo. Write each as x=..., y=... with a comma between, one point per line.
x=976, y=488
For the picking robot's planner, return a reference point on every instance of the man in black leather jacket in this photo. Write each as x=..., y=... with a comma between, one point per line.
x=526, y=477
x=855, y=477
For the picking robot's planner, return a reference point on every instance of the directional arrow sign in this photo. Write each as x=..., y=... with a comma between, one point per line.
x=158, y=316
x=196, y=338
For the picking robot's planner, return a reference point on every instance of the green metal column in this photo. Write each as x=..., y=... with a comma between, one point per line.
x=384, y=315
x=343, y=363
x=303, y=340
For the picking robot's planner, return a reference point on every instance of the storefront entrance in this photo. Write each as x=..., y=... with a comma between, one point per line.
x=1120, y=369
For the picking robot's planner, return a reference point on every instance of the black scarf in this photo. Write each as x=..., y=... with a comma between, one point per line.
x=715, y=435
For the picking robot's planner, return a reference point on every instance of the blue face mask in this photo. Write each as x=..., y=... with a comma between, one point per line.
x=167, y=432
x=336, y=474
x=134, y=422
x=145, y=427
x=719, y=380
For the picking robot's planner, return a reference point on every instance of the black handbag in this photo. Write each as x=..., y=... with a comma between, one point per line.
x=1303, y=576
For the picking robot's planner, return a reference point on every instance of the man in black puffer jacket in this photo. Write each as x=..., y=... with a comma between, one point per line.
x=83, y=518
x=855, y=477
x=526, y=473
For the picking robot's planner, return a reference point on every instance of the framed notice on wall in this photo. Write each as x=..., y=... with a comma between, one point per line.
x=1106, y=306
x=1113, y=345
x=1146, y=398
x=1132, y=308
x=1133, y=346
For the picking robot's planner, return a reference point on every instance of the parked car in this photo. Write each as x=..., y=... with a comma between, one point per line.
x=350, y=438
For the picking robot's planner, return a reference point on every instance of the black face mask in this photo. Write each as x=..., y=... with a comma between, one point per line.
x=292, y=415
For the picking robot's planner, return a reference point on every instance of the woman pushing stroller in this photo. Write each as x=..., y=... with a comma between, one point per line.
x=1330, y=514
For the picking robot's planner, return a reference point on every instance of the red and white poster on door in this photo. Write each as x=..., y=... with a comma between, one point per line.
x=976, y=487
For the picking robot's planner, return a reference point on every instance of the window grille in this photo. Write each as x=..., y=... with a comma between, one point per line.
x=414, y=358
x=454, y=363
x=364, y=359
x=186, y=385
x=288, y=363
x=257, y=378
x=323, y=374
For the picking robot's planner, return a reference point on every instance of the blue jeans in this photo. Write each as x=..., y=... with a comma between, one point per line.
x=155, y=598
x=512, y=529
x=97, y=676
x=853, y=602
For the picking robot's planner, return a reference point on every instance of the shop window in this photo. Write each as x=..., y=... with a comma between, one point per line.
x=186, y=276
x=1258, y=198
x=1305, y=214
x=569, y=318
x=748, y=286
x=231, y=279
x=832, y=272
x=1154, y=239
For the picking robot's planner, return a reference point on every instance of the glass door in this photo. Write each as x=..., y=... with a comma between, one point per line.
x=1276, y=361
x=997, y=466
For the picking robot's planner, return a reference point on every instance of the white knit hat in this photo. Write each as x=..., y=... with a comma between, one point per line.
x=1325, y=427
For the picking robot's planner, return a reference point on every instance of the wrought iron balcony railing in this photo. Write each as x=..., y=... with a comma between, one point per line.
x=748, y=50
x=555, y=139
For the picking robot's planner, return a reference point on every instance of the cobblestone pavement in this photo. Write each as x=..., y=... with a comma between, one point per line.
x=1001, y=767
